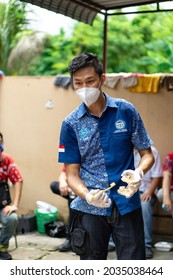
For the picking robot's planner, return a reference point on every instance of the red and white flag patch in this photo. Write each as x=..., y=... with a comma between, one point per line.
x=61, y=148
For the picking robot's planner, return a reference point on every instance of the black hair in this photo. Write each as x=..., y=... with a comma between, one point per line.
x=86, y=60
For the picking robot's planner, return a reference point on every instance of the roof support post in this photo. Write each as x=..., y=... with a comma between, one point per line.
x=105, y=44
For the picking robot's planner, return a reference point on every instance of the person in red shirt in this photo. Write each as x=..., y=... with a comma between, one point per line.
x=8, y=216
x=165, y=194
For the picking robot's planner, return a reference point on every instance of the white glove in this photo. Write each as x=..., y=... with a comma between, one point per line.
x=127, y=191
x=133, y=180
x=132, y=177
x=98, y=198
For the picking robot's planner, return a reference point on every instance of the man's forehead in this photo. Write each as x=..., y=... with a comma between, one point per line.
x=84, y=74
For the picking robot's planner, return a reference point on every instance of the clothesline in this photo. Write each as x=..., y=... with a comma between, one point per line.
x=134, y=82
x=137, y=82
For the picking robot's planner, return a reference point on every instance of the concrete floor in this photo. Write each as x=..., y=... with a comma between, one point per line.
x=37, y=246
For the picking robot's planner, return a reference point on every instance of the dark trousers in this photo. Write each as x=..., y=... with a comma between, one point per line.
x=127, y=232
x=55, y=189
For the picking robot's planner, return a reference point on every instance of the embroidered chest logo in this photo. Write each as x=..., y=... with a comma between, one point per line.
x=84, y=133
x=120, y=126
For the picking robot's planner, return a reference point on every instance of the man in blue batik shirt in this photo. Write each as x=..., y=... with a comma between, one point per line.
x=96, y=145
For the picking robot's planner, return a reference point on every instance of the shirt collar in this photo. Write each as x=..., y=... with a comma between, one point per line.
x=110, y=102
x=82, y=110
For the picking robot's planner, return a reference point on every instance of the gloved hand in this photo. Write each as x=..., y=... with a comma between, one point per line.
x=133, y=179
x=127, y=191
x=98, y=198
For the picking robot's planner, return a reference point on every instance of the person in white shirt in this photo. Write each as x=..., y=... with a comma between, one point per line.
x=150, y=182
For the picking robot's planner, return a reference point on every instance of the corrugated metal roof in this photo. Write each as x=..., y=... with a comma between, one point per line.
x=86, y=11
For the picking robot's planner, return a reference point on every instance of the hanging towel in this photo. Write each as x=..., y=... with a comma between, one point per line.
x=129, y=80
x=62, y=81
x=147, y=84
x=167, y=82
x=112, y=79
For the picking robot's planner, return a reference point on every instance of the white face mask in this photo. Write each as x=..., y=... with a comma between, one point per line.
x=89, y=95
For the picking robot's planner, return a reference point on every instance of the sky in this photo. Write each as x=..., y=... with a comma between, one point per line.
x=49, y=22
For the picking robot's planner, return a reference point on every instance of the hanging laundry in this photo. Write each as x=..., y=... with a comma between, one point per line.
x=129, y=80
x=62, y=81
x=148, y=83
x=167, y=82
x=112, y=79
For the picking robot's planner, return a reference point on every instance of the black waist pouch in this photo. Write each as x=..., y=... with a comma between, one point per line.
x=79, y=236
x=5, y=197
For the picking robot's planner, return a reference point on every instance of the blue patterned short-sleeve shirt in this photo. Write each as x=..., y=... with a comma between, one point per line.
x=103, y=146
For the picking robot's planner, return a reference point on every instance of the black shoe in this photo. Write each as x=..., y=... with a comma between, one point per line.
x=65, y=247
x=5, y=256
x=149, y=253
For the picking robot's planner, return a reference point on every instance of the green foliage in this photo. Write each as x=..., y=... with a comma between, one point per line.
x=12, y=21
x=164, y=58
x=123, y=42
x=60, y=49
x=141, y=44
x=54, y=58
x=87, y=38
x=158, y=47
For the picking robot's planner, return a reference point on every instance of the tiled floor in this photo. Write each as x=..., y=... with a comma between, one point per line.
x=36, y=246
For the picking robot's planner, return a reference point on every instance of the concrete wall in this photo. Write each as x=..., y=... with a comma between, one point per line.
x=31, y=131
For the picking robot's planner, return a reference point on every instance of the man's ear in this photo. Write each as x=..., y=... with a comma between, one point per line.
x=103, y=78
